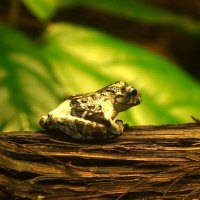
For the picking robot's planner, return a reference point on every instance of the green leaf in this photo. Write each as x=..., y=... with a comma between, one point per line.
x=42, y=9
x=86, y=60
x=26, y=88
x=144, y=11
x=33, y=79
x=132, y=9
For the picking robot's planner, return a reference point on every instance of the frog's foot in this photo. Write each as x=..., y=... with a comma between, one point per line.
x=77, y=128
x=120, y=125
x=116, y=127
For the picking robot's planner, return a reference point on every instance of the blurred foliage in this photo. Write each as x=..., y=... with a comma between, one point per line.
x=131, y=9
x=34, y=78
x=26, y=81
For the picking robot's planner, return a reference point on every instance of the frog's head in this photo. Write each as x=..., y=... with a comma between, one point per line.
x=125, y=96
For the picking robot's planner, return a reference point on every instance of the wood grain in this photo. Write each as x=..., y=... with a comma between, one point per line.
x=147, y=162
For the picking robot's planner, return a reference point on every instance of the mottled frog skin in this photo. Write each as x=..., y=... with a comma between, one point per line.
x=91, y=115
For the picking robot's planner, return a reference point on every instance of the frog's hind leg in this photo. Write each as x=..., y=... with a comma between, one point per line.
x=78, y=128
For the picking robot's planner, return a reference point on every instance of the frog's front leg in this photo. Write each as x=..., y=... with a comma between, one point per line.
x=109, y=113
x=76, y=127
x=116, y=127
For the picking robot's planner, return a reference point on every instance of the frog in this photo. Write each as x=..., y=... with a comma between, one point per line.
x=91, y=115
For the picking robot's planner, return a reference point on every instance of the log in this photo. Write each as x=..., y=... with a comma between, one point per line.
x=146, y=162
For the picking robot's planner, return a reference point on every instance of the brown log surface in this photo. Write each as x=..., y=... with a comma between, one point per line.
x=147, y=162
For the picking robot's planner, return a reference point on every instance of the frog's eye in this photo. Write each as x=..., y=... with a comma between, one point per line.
x=134, y=92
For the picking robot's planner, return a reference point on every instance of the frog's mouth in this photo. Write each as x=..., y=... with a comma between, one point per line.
x=136, y=100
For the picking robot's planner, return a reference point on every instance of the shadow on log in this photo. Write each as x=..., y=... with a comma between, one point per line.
x=147, y=162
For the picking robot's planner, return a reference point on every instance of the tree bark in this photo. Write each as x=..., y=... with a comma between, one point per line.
x=147, y=162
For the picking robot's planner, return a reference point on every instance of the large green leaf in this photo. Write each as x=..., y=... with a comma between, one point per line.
x=27, y=85
x=146, y=12
x=43, y=9
x=86, y=60
x=75, y=60
x=132, y=9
